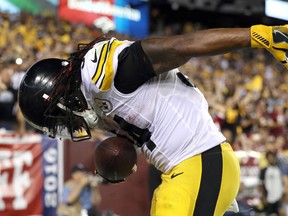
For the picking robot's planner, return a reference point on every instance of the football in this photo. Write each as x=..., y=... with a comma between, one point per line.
x=115, y=159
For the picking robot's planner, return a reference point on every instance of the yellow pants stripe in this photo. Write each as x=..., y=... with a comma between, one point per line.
x=230, y=173
x=203, y=185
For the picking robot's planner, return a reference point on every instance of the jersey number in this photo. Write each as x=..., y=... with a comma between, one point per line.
x=140, y=135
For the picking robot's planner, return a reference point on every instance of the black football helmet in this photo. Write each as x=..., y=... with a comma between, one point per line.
x=51, y=100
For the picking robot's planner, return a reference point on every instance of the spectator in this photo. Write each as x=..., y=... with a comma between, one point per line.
x=284, y=205
x=80, y=194
x=10, y=116
x=8, y=98
x=271, y=185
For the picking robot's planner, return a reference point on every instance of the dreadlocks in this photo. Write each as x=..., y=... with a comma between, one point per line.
x=66, y=89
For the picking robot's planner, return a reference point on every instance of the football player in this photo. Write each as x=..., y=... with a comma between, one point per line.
x=135, y=87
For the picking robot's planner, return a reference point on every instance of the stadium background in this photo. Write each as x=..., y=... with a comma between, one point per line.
x=31, y=30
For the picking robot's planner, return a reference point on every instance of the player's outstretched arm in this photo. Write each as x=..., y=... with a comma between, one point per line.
x=166, y=53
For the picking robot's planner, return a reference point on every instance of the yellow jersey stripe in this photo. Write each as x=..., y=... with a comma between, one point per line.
x=100, y=65
x=93, y=77
x=109, y=70
x=102, y=79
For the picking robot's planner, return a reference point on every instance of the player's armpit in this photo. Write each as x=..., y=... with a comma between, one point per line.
x=273, y=38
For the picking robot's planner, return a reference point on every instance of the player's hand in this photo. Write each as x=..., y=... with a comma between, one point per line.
x=273, y=38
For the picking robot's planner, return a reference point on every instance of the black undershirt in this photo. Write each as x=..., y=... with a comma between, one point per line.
x=134, y=69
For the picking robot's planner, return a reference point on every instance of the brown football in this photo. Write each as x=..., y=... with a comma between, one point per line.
x=115, y=158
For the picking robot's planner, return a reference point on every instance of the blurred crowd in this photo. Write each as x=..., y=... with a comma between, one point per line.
x=247, y=90
x=25, y=39
x=247, y=93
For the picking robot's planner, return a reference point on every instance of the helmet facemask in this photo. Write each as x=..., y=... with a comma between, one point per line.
x=68, y=112
x=66, y=97
x=60, y=126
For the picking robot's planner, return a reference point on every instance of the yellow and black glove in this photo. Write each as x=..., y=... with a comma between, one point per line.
x=273, y=38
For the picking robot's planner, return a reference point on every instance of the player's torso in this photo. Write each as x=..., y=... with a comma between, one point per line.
x=168, y=117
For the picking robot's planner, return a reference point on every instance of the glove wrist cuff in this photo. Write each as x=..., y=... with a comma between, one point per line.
x=261, y=36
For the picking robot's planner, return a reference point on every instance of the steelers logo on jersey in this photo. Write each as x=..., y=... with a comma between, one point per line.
x=104, y=105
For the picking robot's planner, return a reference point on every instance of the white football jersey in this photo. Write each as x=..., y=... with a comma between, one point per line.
x=174, y=113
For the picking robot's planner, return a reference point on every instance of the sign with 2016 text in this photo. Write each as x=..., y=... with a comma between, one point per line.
x=28, y=175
